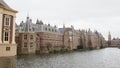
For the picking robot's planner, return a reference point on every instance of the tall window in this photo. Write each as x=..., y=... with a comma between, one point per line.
x=49, y=29
x=7, y=20
x=25, y=44
x=25, y=36
x=6, y=36
x=46, y=29
x=31, y=44
x=31, y=36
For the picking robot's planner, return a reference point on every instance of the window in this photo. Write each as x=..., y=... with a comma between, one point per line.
x=55, y=30
x=29, y=29
x=49, y=29
x=7, y=20
x=22, y=29
x=25, y=36
x=70, y=32
x=46, y=29
x=33, y=29
x=25, y=44
x=7, y=48
x=52, y=30
x=6, y=36
x=31, y=44
x=70, y=38
x=31, y=36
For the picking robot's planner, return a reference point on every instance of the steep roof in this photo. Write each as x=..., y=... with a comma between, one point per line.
x=5, y=6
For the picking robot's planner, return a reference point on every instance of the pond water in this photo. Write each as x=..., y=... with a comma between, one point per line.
x=102, y=58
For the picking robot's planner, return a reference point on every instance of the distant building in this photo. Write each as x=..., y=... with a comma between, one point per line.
x=115, y=42
x=47, y=38
x=91, y=40
x=7, y=30
x=26, y=38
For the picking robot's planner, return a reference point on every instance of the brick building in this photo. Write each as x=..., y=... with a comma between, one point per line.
x=25, y=38
x=47, y=38
x=115, y=42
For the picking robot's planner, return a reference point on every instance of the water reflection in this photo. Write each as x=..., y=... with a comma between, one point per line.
x=8, y=62
x=103, y=58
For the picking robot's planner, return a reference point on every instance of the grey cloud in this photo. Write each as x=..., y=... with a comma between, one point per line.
x=103, y=15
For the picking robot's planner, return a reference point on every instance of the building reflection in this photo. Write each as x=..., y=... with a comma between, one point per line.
x=8, y=62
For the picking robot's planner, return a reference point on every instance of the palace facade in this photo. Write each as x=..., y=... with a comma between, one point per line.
x=7, y=30
x=113, y=42
x=44, y=38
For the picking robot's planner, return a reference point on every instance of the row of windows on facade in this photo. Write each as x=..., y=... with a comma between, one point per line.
x=25, y=44
x=31, y=36
x=51, y=30
x=25, y=36
x=48, y=29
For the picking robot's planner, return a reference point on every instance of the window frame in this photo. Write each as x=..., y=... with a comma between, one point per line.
x=6, y=38
x=7, y=20
x=25, y=36
x=31, y=36
x=31, y=44
x=25, y=44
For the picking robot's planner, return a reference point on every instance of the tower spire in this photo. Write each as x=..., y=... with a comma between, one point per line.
x=27, y=15
x=109, y=38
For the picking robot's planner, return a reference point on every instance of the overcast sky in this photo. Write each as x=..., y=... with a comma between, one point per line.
x=101, y=15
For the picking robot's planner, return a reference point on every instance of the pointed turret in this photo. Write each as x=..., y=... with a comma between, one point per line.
x=28, y=25
x=109, y=39
x=39, y=22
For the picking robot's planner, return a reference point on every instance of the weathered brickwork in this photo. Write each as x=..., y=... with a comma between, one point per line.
x=49, y=38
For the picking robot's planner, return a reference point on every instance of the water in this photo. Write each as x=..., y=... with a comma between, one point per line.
x=103, y=58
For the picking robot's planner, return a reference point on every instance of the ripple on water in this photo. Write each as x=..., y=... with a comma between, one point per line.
x=103, y=58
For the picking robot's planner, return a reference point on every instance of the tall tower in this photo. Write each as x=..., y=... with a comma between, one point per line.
x=7, y=30
x=109, y=39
